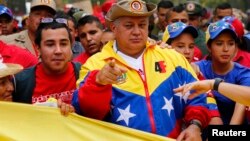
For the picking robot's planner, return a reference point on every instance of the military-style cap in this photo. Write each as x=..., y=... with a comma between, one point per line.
x=80, y=14
x=193, y=7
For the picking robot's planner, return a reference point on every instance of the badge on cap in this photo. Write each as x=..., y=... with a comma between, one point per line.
x=174, y=27
x=136, y=5
x=190, y=7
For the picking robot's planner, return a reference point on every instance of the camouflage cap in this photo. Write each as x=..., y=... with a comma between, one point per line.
x=80, y=14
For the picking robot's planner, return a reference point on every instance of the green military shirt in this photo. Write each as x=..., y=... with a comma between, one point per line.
x=200, y=41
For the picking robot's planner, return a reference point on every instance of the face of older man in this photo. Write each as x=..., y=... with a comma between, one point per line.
x=35, y=17
x=131, y=34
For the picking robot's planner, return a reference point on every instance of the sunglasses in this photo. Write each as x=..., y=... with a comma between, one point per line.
x=51, y=20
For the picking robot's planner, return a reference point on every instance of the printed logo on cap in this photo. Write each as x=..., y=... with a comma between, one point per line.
x=214, y=27
x=228, y=19
x=46, y=1
x=136, y=6
x=174, y=27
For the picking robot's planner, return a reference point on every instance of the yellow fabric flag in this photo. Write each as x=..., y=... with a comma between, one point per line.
x=24, y=122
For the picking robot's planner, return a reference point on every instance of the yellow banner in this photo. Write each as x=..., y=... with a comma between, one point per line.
x=23, y=122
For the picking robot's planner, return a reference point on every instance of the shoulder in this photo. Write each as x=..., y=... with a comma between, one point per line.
x=95, y=61
x=203, y=63
x=20, y=36
x=239, y=67
x=25, y=74
x=76, y=65
x=98, y=60
x=168, y=54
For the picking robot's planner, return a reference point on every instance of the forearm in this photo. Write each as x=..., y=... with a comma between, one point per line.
x=94, y=99
x=238, y=115
x=237, y=93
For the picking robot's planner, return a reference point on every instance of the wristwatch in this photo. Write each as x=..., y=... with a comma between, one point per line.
x=196, y=123
x=217, y=83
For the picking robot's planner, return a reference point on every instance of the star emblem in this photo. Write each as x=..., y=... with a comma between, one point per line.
x=185, y=96
x=179, y=94
x=168, y=105
x=125, y=115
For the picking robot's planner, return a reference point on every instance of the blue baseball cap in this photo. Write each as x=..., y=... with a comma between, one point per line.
x=175, y=29
x=216, y=28
x=6, y=11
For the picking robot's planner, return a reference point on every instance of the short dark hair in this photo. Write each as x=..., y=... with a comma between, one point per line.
x=67, y=17
x=178, y=9
x=90, y=19
x=165, y=4
x=223, y=6
x=52, y=25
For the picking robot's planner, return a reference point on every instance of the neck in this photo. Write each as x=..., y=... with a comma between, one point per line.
x=54, y=72
x=132, y=53
x=31, y=36
x=222, y=69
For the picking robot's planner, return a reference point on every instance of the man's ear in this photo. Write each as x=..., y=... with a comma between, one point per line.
x=27, y=21
x=112, y=27
x=209, y=49
x=39, y=51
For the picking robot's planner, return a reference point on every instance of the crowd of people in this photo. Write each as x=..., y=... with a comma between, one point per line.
x=161, y=68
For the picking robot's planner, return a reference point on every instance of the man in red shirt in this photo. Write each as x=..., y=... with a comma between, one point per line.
x=55, y=76
x=90, y=32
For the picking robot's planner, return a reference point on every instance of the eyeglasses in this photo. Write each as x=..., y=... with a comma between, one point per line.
x=58, y=20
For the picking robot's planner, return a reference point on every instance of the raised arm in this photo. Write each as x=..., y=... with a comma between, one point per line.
x=235, y=92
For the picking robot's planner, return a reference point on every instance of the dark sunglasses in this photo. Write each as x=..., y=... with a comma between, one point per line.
x=58, y=20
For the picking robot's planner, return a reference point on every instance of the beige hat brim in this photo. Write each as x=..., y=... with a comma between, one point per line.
x=11, y=69
x=117, y=11
x=51, y=9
